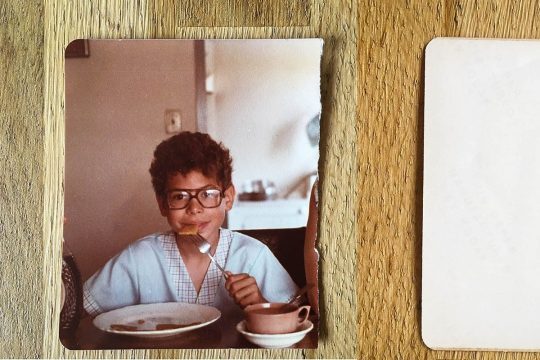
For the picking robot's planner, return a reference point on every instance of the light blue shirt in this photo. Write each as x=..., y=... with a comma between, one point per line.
x=140, y=275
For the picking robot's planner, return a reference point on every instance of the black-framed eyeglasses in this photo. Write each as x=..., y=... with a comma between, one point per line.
x=208, y=198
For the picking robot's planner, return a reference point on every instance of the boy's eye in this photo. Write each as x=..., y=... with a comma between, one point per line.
x=211, y=193
x=179, y=196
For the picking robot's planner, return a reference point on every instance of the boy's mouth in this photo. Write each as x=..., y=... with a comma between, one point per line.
x=200, y=226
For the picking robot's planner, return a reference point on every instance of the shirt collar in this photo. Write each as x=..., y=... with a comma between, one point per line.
x=185, y=290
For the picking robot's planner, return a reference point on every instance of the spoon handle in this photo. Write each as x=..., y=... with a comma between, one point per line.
x=298, y=295
x=218, y=266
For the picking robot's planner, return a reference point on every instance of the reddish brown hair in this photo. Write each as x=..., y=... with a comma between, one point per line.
x=188, y=151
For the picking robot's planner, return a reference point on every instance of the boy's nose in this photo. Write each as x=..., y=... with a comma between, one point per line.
x=194, y=207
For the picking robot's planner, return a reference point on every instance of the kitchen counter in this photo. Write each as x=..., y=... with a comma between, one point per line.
x=268, y=214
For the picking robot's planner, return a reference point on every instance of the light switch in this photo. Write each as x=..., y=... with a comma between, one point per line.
x=173, y=121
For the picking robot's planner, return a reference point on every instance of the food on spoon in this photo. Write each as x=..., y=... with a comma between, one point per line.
x=189, y=229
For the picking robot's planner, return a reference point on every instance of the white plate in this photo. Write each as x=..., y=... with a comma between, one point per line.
x=273, y=341
x=145, y=317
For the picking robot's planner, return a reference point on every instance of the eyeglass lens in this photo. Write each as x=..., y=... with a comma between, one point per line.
x=208, y=198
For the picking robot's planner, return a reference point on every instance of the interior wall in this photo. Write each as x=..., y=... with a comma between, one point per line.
x=265, y=92
x=115, y=104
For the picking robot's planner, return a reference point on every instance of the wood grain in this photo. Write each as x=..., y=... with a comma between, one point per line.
x=233, y=13
x=392, y=38
x=383, y=213
x=21, y=179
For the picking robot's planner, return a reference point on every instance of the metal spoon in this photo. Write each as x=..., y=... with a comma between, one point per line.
x=204, y=247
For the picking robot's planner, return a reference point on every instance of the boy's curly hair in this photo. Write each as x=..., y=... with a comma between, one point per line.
x=188, y=151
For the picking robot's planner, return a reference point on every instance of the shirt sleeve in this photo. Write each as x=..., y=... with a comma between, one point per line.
x=113, y=286
x=273, y=280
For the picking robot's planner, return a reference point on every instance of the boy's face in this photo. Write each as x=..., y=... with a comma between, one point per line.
x=208, y=220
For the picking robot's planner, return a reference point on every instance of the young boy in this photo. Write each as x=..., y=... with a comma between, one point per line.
x=191, y=176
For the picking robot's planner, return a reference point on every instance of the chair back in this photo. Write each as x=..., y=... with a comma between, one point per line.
x=73, y=304
x=288, y=247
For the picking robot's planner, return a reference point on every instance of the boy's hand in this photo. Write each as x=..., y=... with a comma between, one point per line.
x=243, y=289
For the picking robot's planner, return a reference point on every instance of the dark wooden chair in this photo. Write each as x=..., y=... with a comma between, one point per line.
x=73, y=303
x=288, y=247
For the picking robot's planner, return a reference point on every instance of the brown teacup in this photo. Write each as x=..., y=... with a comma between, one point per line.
x=275, y=318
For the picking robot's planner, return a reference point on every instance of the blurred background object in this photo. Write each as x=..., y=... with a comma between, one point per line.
x=257, y=190
x=313, y=130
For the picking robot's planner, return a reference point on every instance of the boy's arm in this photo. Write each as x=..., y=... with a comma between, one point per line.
x=311, y=256
x=115, y=285
x=243, y=289
x=265, y=281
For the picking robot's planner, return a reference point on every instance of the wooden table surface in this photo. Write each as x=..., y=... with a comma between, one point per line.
x=218, y=335
x=371, y=155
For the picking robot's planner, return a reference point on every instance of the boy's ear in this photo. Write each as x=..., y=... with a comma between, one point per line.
x=163, y=208
x=230, y=194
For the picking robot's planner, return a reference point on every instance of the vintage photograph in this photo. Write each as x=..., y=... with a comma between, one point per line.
x=191, y=201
